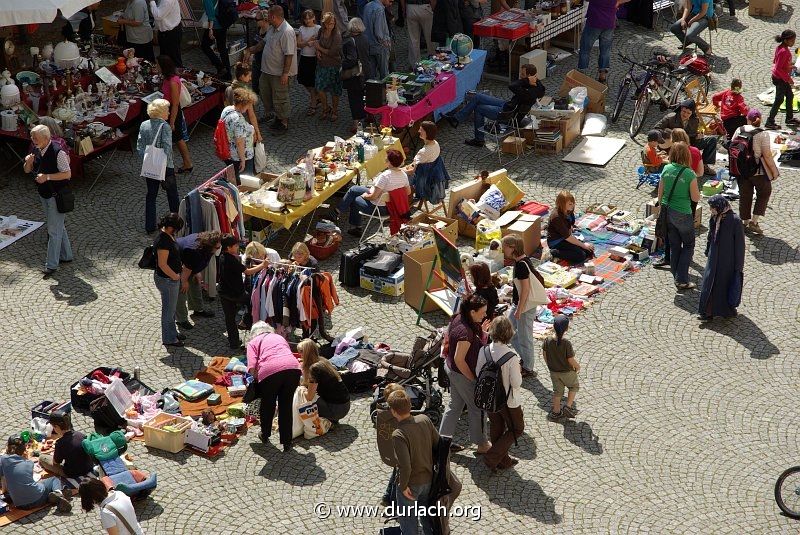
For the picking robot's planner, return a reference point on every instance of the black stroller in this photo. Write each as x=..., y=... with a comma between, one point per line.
x=415, y=372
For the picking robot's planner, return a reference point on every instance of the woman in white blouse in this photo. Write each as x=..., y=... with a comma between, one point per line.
x=430, y=150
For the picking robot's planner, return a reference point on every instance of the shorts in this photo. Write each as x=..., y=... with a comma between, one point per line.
x=181, y=132
x=563, y=380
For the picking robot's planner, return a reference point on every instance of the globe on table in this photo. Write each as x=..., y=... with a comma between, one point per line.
x=461, y=45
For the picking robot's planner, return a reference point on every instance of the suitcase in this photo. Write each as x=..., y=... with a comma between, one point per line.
x=384, y=264
x=352, y=260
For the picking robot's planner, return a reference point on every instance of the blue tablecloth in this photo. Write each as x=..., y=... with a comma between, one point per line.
x=467, y=79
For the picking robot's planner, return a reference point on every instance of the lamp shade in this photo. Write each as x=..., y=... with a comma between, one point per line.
x=67, y=55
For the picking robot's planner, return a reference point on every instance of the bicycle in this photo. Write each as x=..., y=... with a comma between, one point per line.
x=787, y=492
x=660, y=81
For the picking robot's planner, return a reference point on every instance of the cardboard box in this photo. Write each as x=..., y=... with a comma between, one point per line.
x=569, y=122
x=537, y=57
x=417, y=266
x=450, y=228
x=596, y=91
x=393, y=285
x=549, y=147
x=476, y=188
x=529, y=231
x=763, y=8
x=513, y=145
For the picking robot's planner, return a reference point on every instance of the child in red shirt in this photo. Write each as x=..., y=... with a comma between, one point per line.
x=652, y=158
x=732, y=108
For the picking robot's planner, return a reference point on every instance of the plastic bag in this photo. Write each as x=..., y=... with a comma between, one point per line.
x=486, y=231
x=259, y=158
x=578, y=97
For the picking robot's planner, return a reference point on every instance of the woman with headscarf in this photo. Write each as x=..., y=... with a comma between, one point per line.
x=721, y=290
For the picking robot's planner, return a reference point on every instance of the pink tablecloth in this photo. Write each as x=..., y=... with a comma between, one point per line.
x=402, y=116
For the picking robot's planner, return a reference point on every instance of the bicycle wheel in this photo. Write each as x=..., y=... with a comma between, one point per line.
x=639, y=112
x=622, y=96
x=787, y=492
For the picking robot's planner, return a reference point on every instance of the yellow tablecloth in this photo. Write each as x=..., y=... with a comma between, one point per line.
x=373, y=166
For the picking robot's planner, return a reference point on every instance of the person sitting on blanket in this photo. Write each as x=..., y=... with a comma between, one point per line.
x=16, y=471
x=360, y=199
x=526, y=91
x=560, y=240
x=69, y=460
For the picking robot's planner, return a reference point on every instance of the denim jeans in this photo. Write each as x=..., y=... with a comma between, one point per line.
x=462, y=394
x=783, y=91
x=191, y=299
x=522, y=341
x=680, y=229
x=588, y=37
x=355, y=203
x=47, y=485
x=409, y=522
x=58, y=246
x=692, y=35
x=483, y=105
x=169, y=290
x=152, y=195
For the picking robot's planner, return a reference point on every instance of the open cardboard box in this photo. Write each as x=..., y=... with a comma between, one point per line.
x=474, y=190
x=417, y=267
x=763, y=8
x=447, y=225
x=596, y=91
x=570, y=122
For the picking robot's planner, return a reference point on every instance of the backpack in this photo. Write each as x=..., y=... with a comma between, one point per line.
x=696, y=64
x=489, y=393
x=221, y=146
x=226, y=15
x=742, y=159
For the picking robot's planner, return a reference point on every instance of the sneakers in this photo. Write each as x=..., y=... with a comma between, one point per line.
x=772, y=125
x=555, y=416
x=203, y=313
x=685, y=285
x=474, y=142
x=569, y=412
x=704, y=319
x=63, y=505
x=528, y=373
x=178, y=343
x=753, y=227
x=793, y=121
x=181, y=337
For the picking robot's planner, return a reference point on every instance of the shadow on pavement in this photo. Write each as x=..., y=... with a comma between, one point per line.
x=71, y=288
x=582, y=435
x=293, y=467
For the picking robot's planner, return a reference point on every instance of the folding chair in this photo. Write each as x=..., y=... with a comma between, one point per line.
x=425, y=207
x=658, y=7
x=375, y=214
x=507, y=124
x=188, y=18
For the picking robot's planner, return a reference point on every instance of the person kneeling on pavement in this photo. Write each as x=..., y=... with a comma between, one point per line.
x=321, y=378
x=16, y=471
x=526, y=91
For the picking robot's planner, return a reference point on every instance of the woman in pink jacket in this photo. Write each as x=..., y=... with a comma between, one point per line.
x=782, y=78
x=271, y=362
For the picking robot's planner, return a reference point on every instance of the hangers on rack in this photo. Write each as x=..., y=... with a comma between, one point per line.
x=295, y=266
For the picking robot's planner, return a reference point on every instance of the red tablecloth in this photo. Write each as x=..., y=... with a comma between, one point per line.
x=195, y=112
x=402, y=116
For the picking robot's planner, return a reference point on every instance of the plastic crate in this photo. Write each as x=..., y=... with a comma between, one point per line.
x=172, y=441
x=47, y=407
x=512, y=30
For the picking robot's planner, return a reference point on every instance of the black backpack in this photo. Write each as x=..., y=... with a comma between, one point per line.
x=742, y=159
x=226, y=14
x=490, y=395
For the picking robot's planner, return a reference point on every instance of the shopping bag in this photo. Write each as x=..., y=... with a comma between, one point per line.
x=259, y=158
x=154, y=163
x=486, y=231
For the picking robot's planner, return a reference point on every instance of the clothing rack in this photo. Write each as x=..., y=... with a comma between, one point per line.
x=289, y=264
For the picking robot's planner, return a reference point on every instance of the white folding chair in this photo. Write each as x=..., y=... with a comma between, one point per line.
x=375, y=214
x=658, y=16
x=188, y=18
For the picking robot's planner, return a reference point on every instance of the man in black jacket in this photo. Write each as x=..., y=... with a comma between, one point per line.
x=686, y=117
x=525, y=92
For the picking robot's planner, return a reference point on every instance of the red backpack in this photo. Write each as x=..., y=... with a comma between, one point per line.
x=696, y=64
x=221, y=146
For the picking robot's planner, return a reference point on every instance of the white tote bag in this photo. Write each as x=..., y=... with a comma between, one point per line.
x=259, y=157
x=154, y=163
x=186, y=97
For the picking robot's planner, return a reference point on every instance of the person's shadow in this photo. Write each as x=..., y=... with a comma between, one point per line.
x=71, y=288
x=293, y=467
x=582, y=435
x=509, y=490
x=774, y=251
x=746, y=333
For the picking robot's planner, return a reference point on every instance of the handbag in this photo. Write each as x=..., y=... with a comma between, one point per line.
x=154, y=163
x=661, y=222
x=251, y=393
x=259, y=157
x=65, y=200
x=148, y=259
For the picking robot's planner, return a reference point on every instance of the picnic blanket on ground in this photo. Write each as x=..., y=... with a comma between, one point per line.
x=14, y=513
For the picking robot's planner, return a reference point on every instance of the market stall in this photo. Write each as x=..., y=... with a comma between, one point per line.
x=446, y=94
x=335, y=166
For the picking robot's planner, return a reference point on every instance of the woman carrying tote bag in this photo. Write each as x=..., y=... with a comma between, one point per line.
x=155, y=148
x=529, y=293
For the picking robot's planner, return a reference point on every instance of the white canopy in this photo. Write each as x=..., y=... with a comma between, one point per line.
x=13, y=12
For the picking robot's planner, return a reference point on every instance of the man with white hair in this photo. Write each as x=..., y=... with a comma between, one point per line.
x=50, y=164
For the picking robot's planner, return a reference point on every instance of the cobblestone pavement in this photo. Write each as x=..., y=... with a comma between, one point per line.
x=682, y=429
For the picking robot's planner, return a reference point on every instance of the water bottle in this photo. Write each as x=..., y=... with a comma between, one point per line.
x=136, y=371
x=359, y=129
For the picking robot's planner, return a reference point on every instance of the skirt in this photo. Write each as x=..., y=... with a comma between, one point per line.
x=306, y=70
x=328, y=80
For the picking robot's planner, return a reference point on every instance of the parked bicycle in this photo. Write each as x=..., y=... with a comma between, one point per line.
x=658, y=81
x=787, y=492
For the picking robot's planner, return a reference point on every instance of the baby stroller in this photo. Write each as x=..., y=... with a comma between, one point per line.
x=415, y=373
